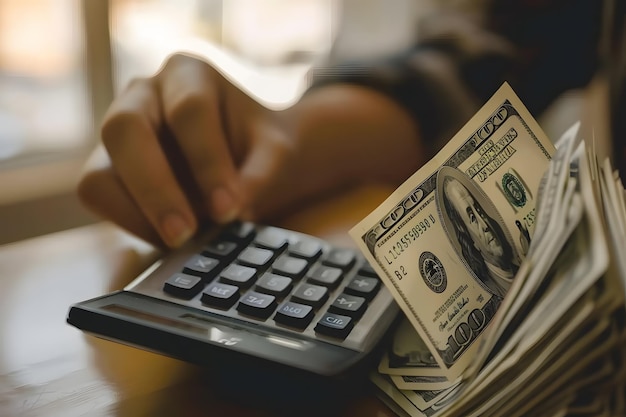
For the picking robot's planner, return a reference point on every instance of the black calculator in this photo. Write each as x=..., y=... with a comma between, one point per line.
x=251, y=294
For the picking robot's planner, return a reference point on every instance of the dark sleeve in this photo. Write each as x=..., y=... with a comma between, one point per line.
x=541, y=47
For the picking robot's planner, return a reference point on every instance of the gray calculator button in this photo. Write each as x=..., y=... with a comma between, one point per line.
x=221, y=249
x=294, y=314
x=327, y=276
x=255, y=257
x=201, y=266
x=340, y=258
x=271, y=238
x=313, y=295
x=334, y=325
x=183, y=285
x=366, y=287
x=277, y=285
x=349, y=305
x=306, y=248
x=220, y=295
x=239, y=275
x=257, y=304
x=290, y=266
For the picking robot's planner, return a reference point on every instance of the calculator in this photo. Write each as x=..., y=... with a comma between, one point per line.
x=251, y=297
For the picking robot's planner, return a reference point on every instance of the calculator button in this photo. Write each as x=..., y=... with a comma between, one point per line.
x=239, y=275
x=313, y=295
x=349, y=305
x=183, y=285
x=220, y=295
x=257, y=304
x=223, y=250
x=306, y=248
x=325, y=275
x=201, y=266
x=291, y=267
x=271, y=238
x=242, y=232
x=367, y=270
x=274, y=284
x=294, y=314
x=334, y=325
x=361, y=286
x=255, y=257
x=340, y=258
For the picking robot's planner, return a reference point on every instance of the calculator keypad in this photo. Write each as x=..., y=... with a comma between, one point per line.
x=277, y=278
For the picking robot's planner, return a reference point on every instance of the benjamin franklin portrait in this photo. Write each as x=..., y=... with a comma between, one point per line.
x=476, y=231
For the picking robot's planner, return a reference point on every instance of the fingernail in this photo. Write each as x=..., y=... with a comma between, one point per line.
x=176, y=230
x=223, y=205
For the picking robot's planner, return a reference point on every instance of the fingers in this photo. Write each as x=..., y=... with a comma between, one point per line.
x=129, y=135
x=181, y=146
x=103, y=193
x=192, y=96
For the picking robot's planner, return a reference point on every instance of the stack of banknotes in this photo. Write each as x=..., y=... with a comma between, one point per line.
x=507, y=255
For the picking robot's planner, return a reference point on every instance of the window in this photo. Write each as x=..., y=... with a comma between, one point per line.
x=44, y=114
x=61, y=62
x=42, y=90
x=267, y=45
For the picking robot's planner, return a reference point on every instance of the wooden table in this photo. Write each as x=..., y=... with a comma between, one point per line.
x=48, y=368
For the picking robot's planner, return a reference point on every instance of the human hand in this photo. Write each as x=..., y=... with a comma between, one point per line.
x=188, y=147
x=180, y=143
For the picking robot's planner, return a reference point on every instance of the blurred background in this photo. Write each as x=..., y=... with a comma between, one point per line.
x=62, y=61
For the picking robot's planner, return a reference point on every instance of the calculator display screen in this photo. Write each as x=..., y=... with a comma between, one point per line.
x=116, y=308
x=215, y=333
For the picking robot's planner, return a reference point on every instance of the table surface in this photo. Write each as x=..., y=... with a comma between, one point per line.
x=48, y=368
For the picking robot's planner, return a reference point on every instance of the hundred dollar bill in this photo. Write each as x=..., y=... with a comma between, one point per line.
x=448, y=242
x=407, y=354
